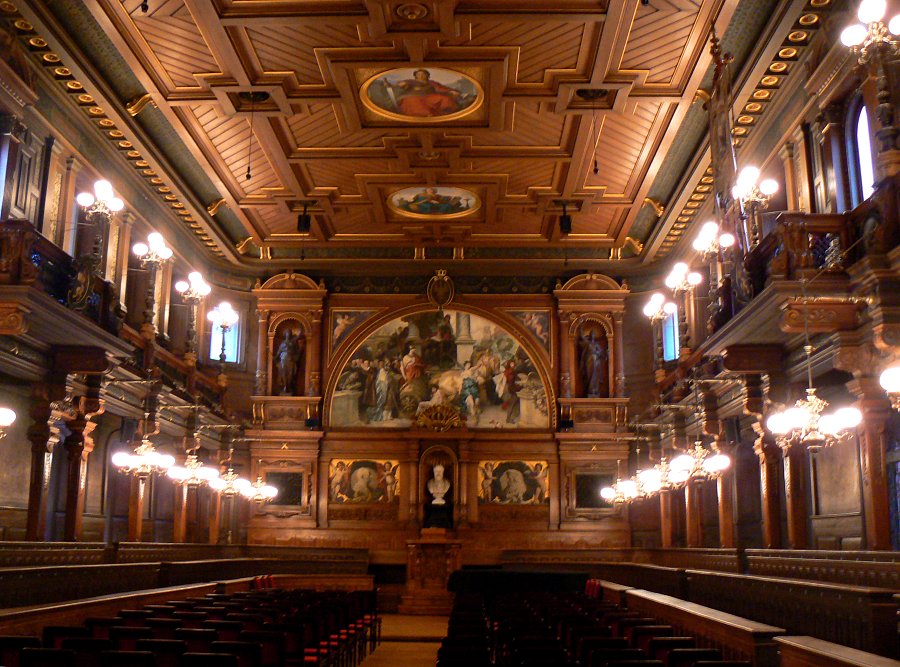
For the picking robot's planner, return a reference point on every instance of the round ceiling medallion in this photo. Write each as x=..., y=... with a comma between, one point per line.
x=411, y=11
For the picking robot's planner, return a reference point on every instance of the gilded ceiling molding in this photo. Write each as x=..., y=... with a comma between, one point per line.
x=53, y=64
x=138, y=104
x=213, y=207
x=746, y=120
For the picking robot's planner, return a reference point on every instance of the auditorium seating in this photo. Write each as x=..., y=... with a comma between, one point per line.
x=261, y=627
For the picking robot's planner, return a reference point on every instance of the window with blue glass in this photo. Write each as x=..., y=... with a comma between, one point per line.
x=861, y=158
x=670, y=337
x=232, y=344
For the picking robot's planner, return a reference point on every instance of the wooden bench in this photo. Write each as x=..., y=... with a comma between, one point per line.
x=614, y=592
x=803, y=651
x=737, y=638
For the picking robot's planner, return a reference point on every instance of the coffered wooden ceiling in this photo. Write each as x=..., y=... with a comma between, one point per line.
x=278, y=83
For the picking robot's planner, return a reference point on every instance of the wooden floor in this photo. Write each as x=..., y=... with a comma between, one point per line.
x=408, y=641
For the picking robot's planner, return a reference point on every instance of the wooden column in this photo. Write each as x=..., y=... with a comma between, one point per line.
x=770, y=489
x=464, y=487
x=790, y=176
x=79, y=444
x=795, y=496
x=136, y=508
x=692, y=493
x=567, y=373
x=43, y=438
x=725, y=492
x=876, y=410
x=834, y=157
x=179, y=520
x=215, y=516
x=666, y=519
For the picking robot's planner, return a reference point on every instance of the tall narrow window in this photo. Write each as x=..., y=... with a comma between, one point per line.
x=232, y=340
x=670, y=337
x=864, y=164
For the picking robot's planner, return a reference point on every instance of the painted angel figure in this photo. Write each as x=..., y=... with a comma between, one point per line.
x=340, y=480
x=487, y=481
x=388, y=481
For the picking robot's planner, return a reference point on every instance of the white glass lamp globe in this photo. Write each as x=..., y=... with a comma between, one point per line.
x=853, y=35
x=871, y=10
x=85, y=199
x=769, y=187
x=726, y=240
x=890, y=380
x=7, y=417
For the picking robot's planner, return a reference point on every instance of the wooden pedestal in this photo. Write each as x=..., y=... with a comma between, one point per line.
x=429, y=562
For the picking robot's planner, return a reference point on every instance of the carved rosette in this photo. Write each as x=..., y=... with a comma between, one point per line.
x=440, y=418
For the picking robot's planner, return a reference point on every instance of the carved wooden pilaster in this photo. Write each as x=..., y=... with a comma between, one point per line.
x=43, y=437
x=180, y=512
x=262, y=362
x=666, y=519
x=876, y=410
x=692, y=494
x=725, y=494
x=566, y=348
x=619, y=342
x=312, y=381
x=770, y=488
x=215, y=517
x=834, y=156
x=795, y=495
x=79, y=444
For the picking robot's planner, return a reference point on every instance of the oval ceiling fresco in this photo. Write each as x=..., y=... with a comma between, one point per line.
x=422, y=94
x=454, y=359
x=434, y=202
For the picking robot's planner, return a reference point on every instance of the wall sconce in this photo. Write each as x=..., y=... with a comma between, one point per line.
x=711, y=239
x=890, y=382
x=682, y=279
x=7, y=417
x=755, y=196
x=192, y=291
x=153, y=254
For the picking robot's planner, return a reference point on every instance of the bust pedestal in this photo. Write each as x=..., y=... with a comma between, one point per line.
x=429, y=562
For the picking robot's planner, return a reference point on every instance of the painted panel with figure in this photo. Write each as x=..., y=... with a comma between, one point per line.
x=344, y=322
x=537, y=322
x=364, y=481
x=513, y=482
x=422, y=94
x=448, y=360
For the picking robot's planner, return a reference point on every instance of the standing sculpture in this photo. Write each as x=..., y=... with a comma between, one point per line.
x=593, y=366
x=288, y=359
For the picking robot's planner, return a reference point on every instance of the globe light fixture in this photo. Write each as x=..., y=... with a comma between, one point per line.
x=258, y=491
x=658, y=309
x=890, y=382
x=102, y=200
x=192, y=291
x=711, y=239
x=7, y=417
x=193, y=473
x=807, y=423
x=699, y=464
x=154, y=251
x=224, y=317
x=682, y=279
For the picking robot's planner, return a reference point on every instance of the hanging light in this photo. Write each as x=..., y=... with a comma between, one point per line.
x=805, y=423
x=711, y=239
x=682, y=279
x=193, y=472
x=622, y=490
x=229, y=484
x=7, y=417
x=258, y=491
x=145, y=460
x=890, y=382
x=699, y=464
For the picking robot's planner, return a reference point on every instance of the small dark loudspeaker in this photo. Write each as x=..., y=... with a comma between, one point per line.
x=566, y=424
x=565, y=224
x=304, y=220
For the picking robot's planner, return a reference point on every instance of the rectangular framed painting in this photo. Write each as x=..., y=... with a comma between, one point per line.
x=582, y=492
x=513, y=482
x=363, y=481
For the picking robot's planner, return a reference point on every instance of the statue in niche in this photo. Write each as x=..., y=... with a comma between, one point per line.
x=439, y=508
x=287, y=358
x=438, y=485
x=593, y=364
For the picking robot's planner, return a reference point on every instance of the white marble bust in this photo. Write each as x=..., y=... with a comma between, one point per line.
x=438, y=485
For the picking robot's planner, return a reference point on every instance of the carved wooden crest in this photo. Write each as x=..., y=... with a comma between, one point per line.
x=440, y=418
x=440, y=289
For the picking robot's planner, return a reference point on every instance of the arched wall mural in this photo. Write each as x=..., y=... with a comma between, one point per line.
x=440, y=358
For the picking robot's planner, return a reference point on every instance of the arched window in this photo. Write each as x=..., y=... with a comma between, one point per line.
x=861, y=153
x=670, y=337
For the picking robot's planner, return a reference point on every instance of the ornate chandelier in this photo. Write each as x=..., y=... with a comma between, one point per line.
x=193, y=473
x=258, y=491
x=805, y=423
x=699, y=464
x=143, y=461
